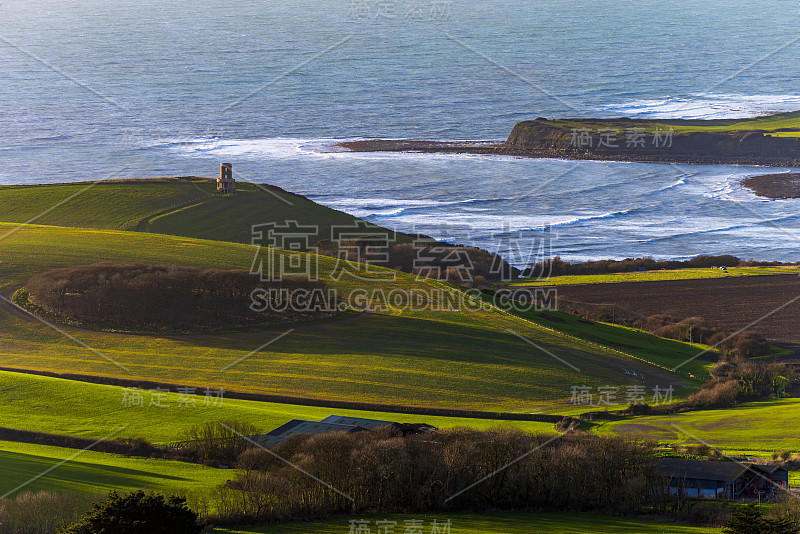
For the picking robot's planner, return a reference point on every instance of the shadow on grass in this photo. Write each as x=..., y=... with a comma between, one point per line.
x=19, y=468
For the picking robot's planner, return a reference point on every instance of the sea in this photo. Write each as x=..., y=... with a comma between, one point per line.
x=110, y=89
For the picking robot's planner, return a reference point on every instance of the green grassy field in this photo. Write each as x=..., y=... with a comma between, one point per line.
x=97, y=472
x=179, y=206
x=658, y=351
x=58, y=406
x=652, y=276
x=455, y=358
x=765, y=426
x=769, y=123
x=487, y=523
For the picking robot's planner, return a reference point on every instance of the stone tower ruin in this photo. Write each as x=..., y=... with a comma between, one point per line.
x=225, y=182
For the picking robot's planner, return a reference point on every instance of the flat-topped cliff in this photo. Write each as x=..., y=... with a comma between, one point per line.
x=772, y=140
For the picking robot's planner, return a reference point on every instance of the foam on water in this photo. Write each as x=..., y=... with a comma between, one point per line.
x=706, y=106
x=278, y=147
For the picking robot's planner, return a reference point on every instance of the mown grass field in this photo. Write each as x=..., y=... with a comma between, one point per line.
x=652, y=276
x=186, y=206
x=58, y=406
x=764, y=426
x=658, y=351
x=487, y=523
x=96, y=472
x=768, y=123
x=452, y=358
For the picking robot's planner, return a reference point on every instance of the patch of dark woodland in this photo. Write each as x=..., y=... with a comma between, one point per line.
x=169, y=298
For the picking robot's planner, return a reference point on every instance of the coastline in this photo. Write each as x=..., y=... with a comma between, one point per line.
x=772, y=141
x=501, y=148
x=774, y=186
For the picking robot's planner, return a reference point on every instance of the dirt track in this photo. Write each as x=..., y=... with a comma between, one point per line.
x=731, y=303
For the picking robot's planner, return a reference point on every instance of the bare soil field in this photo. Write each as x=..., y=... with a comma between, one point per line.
x=771, y=302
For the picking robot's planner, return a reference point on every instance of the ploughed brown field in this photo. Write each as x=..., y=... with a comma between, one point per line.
x=730, y=303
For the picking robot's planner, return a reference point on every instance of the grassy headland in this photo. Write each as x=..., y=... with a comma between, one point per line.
x=771, y=140
x=186, y=206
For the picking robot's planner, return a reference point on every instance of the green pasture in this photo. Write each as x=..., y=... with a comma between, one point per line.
x=187, y=206
x=665, y=353
x=465, y=357
x=765, y=426
x=72, y=470
x=486, y=523
x=768, y=124
x=58, y=406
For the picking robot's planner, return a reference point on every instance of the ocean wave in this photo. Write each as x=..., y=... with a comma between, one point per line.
x=275, y=147
x=730, y=189
x=706, y=106
x=392, y=207
x=288, y=147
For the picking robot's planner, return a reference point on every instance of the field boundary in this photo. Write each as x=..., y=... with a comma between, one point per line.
x=65, y=441
x=301, y=401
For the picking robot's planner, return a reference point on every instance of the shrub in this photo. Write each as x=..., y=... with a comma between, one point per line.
x=787, y=507
x=719, y=393
x=42, y=512
x=706, y=513
x=750, y=519
x=138, y=513
x=218, y=442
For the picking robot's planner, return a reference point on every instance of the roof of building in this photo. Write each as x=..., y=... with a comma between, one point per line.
x=702, y=469
x=770, y=468
x=369, y=424
x=332, y=423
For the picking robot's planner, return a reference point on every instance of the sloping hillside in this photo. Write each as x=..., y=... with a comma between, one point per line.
x=452, y=357
x=186, y=206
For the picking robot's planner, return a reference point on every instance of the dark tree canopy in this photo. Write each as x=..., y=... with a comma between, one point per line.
x=170, y=298
x=138, y=513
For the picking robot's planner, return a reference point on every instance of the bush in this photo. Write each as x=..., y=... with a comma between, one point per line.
x=138, y=513
x=750, y=519
x=218, y=442
x=719, y=393
x=787, y=507
x=42, y=512
x=706, y=513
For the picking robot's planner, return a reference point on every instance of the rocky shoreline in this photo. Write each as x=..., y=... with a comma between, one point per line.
x=774, y=186
x=500, y=148
x=618, y=140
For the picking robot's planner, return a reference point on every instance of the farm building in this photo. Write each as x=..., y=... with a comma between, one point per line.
x=723, y=480
x=332, y=423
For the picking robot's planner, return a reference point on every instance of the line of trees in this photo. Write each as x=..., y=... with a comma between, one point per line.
x=558, y=267
x=468, y=266
x=166, y=297
x=385, y=472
